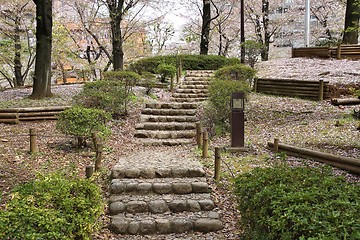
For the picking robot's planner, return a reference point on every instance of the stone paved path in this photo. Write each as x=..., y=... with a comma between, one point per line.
x=163, y=190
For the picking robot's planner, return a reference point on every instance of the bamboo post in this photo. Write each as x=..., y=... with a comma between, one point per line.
x=178, y=75
x=98, y=156
x=199, y=135
x=321, y=90
x=33, y=143
x=217, y=163
x=89, y=171
x=205, y=150
x=180, y=68
x=276, y=145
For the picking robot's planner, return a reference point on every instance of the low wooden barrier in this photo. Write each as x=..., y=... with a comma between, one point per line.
x=339, y=52
x=345, y=163
x=313, y=90
x=16, y=115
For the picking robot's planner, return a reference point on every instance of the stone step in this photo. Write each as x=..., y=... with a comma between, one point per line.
x=193, y=87
x=189, y=95
x=164, y=134
x=169, y=112
x=185, y=90
x=192, y=78
x=171, y=105
x=169, y=126
x=120, y=172
x=159, y=186
x=166, y=142
x=152, y=118
x=188, y=99
x=160, y=203
x=145, y=224
x=205, y=83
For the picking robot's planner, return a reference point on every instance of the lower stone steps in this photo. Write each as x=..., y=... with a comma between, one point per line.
x=155, y=118
x=189, y=99
x=144, y=223
x=159, y=186
x=166, y=142
x=160, y=203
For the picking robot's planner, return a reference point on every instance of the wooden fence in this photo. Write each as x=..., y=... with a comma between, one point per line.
x=15, y=115
x=339, y=52
x=313, y=90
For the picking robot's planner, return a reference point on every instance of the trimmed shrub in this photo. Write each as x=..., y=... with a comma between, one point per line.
x=189, y=62
x=82, y=122
x=284, y=202
x=226, y=81
x=110, y=96
x=166, y=71
x=238, y=72
x=217, y=114
x=53, y=206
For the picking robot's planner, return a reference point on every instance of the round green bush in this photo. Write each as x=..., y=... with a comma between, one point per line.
x=237, y=72
x=166, y=71
x=128, y=77
x=83, y=122
x=110, y=96
x=54, y=206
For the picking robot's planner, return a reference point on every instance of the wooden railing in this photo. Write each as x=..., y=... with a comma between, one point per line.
x=339, y=52
x=15, y=115
x=313, y=90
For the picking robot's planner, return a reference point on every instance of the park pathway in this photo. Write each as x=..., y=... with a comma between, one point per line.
x=162, y=188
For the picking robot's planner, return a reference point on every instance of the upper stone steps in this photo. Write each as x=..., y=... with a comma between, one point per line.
x=169, y=112
x=196, y=91
x=166, y=126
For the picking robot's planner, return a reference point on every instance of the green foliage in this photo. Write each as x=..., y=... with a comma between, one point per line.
x=128, y=77
x=284, y=202
x=111, y=96
x=166, y=71
x=189, y=62
x=227, y=80
x=82, y=122
x=53, y=206
x=237, y=72
x=252, y=51
x=149, y=81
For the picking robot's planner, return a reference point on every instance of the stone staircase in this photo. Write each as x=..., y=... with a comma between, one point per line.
x=173, y=123
x=160, y=192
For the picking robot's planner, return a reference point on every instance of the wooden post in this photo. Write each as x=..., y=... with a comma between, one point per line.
x=98, y=156
x=89, y=171
x=276, y=145
x=172, y=85
x=338, y=52
x=178, y=75
x=33, y=143
x=180, y=68
x=95, y=139
x=321, y=90
x=205, y=152
x=255, y=84
x=217, y=163
x=199, y=136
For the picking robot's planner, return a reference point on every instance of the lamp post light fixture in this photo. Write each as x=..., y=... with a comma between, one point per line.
x=237, y=119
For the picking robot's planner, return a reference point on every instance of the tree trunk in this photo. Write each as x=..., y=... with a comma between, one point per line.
x=352, y=16
x=42, y=77
x=117, y=42
x=17, y=57
x=267, y=34
x=205, y=30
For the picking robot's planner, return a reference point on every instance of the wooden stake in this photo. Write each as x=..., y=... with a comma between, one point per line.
x=89, y=171
x=276, y=145
x=33, y=144
x=199, y=136
x=217, y=163
x=205, y=152
x=98, y=156
x=321, y=90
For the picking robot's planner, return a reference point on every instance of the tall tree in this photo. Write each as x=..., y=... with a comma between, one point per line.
x=352, y=16
x=42, y=77
x=206, y=24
